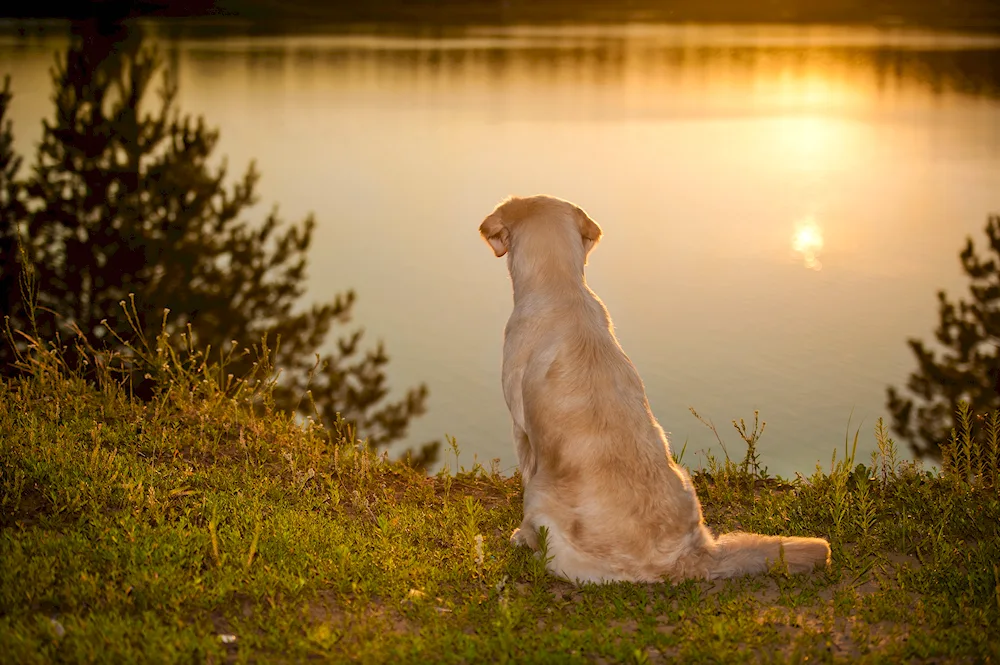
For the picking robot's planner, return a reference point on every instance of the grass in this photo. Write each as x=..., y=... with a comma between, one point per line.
x=203, y=526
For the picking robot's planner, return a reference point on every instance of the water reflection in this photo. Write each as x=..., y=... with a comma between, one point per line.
x=807, y=242
x=720, y=161
x=735, y=69
x=783, y=67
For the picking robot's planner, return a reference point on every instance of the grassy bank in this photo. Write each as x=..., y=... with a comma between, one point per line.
x=193, y=528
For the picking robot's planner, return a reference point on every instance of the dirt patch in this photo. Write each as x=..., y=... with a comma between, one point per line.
x=627, y=626
x=899, y=561
x=664, y=626
x=330, y=610
x=32, y=504
x=226, y=634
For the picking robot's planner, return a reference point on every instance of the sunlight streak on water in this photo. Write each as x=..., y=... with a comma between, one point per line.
x=808, y=242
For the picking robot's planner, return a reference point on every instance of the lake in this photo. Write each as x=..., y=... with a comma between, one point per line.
x=780, y=204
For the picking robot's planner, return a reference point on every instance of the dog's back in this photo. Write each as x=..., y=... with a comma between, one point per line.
x=598, y=473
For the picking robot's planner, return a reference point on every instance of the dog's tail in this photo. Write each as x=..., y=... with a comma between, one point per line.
x=741, y=553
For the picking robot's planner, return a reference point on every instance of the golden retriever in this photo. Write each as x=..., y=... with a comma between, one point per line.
x=595, y=464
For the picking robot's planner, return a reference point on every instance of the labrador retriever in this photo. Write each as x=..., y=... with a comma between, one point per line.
x=595, y=464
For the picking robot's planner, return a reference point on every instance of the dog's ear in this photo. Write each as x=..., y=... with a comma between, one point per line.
x=590, y=231
x=495, y=232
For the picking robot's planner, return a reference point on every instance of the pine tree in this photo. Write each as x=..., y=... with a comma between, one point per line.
x=124, y=205
x=968, y=367
x=12, y=215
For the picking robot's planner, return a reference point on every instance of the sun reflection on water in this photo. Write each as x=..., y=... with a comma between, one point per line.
x=807, y=242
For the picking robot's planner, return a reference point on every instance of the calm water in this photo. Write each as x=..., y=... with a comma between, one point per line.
x=779, y=204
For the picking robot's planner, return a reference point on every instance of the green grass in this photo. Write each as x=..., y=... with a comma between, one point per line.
x=201, y=526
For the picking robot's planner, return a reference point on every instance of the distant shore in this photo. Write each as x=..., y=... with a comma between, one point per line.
x=316, y=15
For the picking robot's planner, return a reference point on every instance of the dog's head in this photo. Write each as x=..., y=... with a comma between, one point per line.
x=519, y=223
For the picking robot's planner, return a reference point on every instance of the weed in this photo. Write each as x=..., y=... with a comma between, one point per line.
x=972, y=458
x=679, y=456
x=541, y=559
x=751, y=461
x=885, y=459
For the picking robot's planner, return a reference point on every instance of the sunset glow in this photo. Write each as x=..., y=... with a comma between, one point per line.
x=808, y=243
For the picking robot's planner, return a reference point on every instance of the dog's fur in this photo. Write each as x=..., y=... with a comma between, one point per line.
x=595, y=464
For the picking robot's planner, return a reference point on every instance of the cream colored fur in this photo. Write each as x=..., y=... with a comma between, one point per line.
x=595, y=464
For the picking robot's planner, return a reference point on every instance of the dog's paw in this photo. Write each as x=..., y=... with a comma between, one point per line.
x=517, y=539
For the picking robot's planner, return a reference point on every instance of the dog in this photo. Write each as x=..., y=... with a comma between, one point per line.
x=595, y=464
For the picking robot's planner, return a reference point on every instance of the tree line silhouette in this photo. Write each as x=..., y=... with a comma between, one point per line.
x=283, y=15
